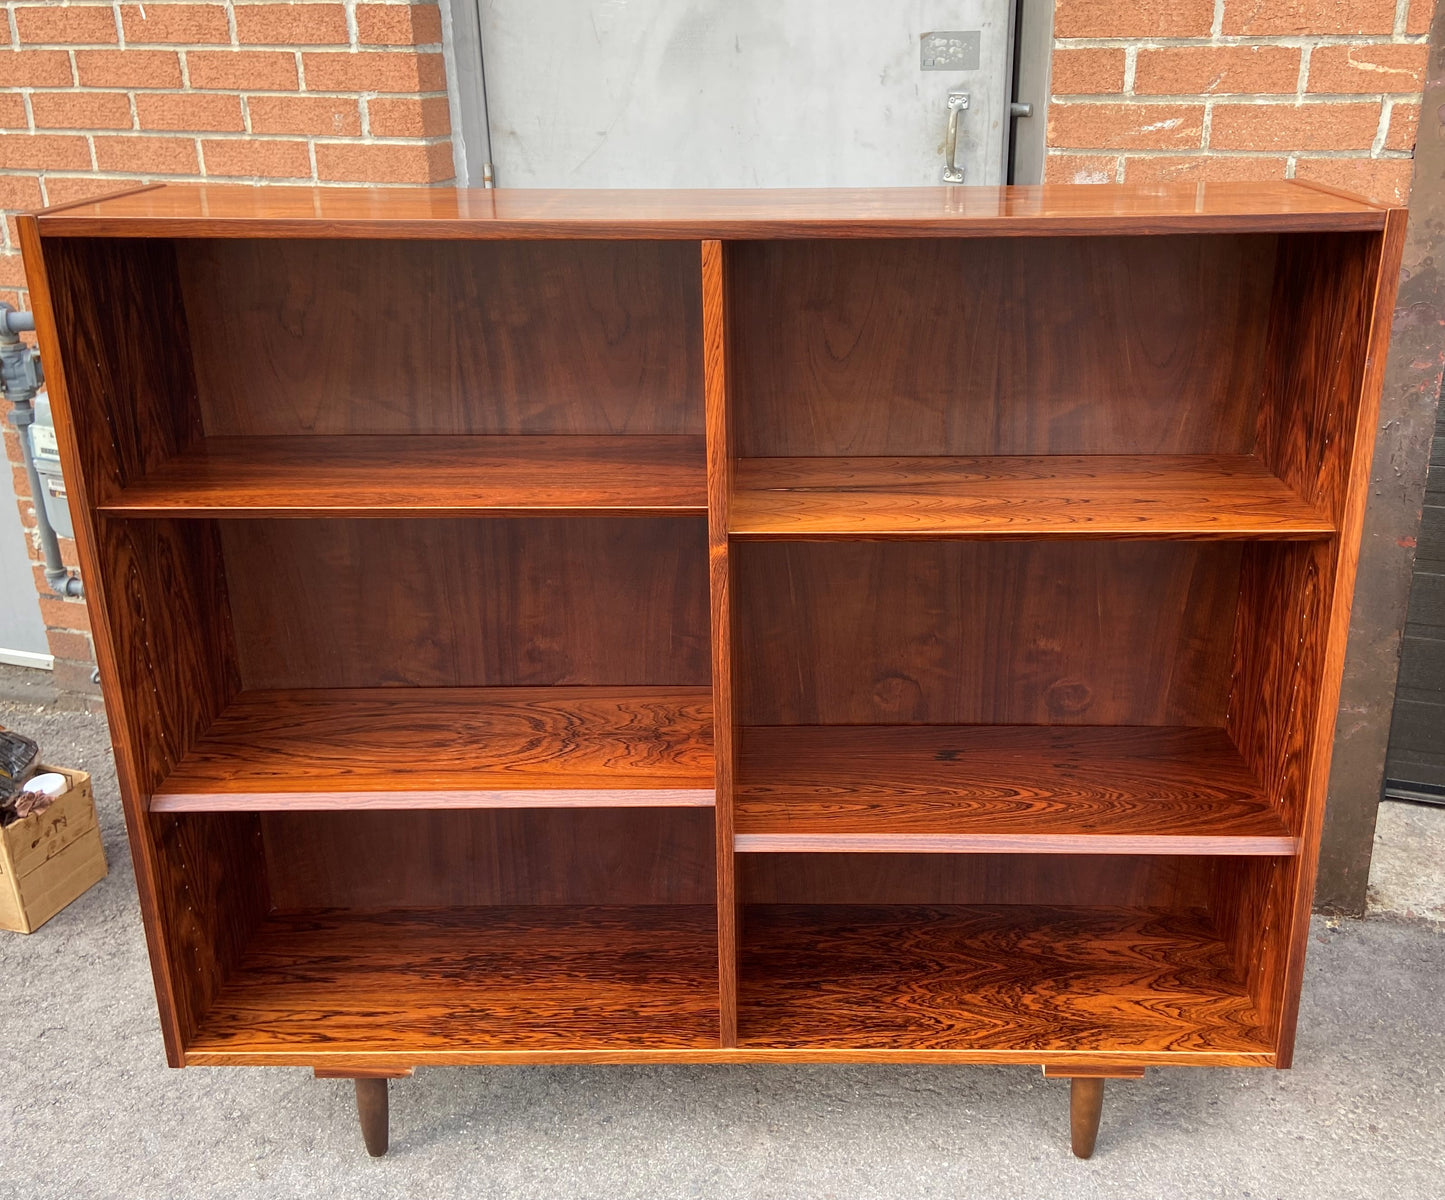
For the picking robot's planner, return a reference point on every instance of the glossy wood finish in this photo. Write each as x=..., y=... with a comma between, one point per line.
x=1119, y=346
x=524, y=602
x=1019, y=496
x=375, y=859
x=212, y=211
x=424, y=476
x=1021, y=977
x=372, y=1111
x=720, y=488
x=1086, y=1103
x=504, y=338
x=1176, y=882
x=988, y=479
x=334, y=981
x=449, y=747
x=1020, y=788
x=1359, y=396
x=985, y=633
x=156, y=597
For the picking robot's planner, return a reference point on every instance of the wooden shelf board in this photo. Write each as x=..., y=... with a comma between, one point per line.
x=450, y=748
x=424, y=475
x=212, y=210
x=538, y=977
x=1070, y=789
x=1019, y=496
x=998, y=977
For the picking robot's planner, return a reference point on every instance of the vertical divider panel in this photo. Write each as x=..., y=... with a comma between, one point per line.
x=719, y=499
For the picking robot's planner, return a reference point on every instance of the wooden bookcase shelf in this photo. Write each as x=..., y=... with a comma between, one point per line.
x=488, y=978
x=1019, y=496
x=994, y=978
x=449, y=748
x=739, y=626
x=1028, y=789
x=362, y=475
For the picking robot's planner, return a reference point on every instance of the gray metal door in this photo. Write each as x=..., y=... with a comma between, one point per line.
x=743, y=93
x=22, y=633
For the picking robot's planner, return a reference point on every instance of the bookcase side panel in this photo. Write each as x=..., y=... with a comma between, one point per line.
x=1328, y=335
x=125, y=399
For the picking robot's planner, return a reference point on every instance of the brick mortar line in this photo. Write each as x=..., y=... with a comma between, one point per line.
x=1236, y=99
x=1290, y=41
x=238, y=47
x=1210, y=152
x=92, y=90
x=178, y=135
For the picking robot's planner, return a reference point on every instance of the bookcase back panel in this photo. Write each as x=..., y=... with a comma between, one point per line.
x=1145, y=345
x=1142, y=881
x=430, y=859
x=469, y=603
x=332, y=337
x=1017, y=633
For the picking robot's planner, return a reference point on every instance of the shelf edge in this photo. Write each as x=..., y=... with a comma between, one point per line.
x=1016, y=843
x=204, y=1056
x=171, y=802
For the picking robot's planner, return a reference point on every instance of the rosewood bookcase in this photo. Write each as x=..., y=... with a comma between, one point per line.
x=721, y=626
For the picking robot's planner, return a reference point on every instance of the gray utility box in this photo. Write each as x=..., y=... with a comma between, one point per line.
x=47, y=462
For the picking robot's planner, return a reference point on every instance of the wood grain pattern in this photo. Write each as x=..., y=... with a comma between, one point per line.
x=984, y=632
x=1026, y=789
x=1177, y=882
x=364, y=475
x=1314, y=364
x=509, y=602
x=720, y=487
x=599, y=977
x=1363, y=402
x=210, y=875
x=449, y=747
x=371, y=860
x=1284, y=595
x=1012, y=976
x=501, y=338
x=998, y=347
x=973, y=376
x=294, y=212
x=85, y=473
x=132, y=393
x=1019, y=496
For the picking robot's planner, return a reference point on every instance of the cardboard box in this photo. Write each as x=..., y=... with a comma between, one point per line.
x=51, y=857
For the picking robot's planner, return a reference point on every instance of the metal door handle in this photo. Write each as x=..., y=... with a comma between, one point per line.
x=952, y=172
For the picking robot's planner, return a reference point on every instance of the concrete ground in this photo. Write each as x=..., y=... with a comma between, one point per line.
x=88, y=1108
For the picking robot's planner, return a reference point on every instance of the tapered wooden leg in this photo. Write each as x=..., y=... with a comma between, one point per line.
x=371, y=1107
x=371, y=1100
x=1086, y=1103
x=1086, y=1099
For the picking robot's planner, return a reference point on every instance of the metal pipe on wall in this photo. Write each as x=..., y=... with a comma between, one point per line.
x=20, y=380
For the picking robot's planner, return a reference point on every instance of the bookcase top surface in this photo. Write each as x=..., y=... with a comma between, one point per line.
x=447, y=213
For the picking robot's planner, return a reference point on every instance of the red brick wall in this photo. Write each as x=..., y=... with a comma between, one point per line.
x=1159, y=90
x=96, y=97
